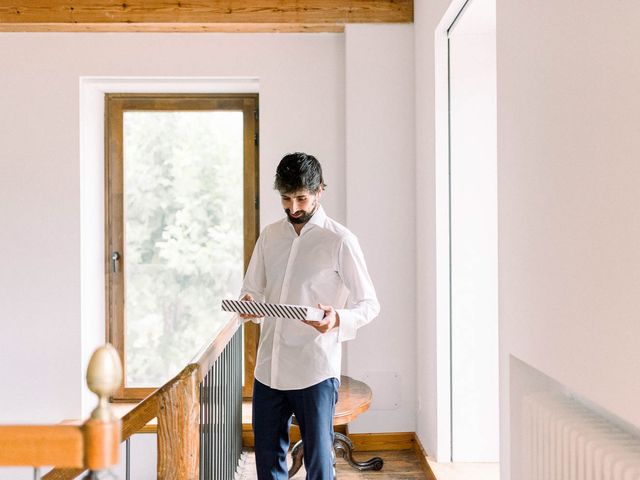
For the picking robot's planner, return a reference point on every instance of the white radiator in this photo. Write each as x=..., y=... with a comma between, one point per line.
x=563, y=440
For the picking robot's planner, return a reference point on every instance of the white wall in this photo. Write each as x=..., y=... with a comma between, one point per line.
x=380, y=191
x=40, y=344
x=569, y=228
x=301, y=102
x=302, y=80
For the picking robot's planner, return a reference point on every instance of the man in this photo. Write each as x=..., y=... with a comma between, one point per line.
x=305, y=259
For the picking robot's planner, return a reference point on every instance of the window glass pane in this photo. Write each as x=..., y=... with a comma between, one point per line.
x=183, y=216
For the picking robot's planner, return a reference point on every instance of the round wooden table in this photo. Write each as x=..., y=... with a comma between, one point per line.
x=354, y=397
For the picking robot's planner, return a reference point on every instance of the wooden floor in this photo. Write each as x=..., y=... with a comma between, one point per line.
x=398, y=465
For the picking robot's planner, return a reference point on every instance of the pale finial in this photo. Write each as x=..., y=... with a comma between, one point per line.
x=104, y=375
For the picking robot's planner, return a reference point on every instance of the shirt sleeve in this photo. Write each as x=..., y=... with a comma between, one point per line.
x=362, y=304
x=255, y=280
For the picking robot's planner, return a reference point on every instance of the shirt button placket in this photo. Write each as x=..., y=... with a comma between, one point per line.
x=284, y=291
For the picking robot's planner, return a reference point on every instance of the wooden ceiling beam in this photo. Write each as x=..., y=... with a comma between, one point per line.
x=194, y=15
x=174, y=27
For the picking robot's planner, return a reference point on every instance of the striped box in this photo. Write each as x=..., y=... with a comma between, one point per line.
x=295, y=312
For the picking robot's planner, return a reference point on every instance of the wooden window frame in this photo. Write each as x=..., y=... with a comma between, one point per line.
x=115, y=106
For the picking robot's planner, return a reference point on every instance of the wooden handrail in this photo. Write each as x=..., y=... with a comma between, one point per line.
x=41, y=445
x=63, y=473
x=208, y=355
x=92, y=445
x=173, y=403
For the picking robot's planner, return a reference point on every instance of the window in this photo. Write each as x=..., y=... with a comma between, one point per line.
x=181, y=223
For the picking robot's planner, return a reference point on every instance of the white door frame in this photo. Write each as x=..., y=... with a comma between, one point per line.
x=443, y=238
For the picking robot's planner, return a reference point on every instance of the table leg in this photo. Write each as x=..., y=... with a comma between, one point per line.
x=297, y=453
x=343, y=446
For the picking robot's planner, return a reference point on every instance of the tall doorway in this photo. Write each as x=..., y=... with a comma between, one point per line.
x=472, y=225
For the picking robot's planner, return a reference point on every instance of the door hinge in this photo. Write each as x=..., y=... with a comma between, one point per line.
x=257, y=203
x=255, y=114
x=255, y=139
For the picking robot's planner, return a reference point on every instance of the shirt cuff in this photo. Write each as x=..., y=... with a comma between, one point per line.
x=347, y=328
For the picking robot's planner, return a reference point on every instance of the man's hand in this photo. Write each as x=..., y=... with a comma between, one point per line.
x=331, y=319
x=248, y=316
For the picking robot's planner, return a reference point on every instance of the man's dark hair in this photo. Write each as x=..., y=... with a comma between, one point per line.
x=298, y=171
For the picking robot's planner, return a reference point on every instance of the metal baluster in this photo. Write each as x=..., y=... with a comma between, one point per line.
x=221, y=418
x=230, y=412
x=209, y=424
x=127, y=462
x=239, y=344
x=225, y=410
x=233, y=402
x=200, y=458
x=238, y=390
x=36, y=473
x=218, y=417
x=228, y=440
x=235, y=405
x=215, y=420
x=203, y=429
x=212, y=426
x=204, y=399
x=223, y=423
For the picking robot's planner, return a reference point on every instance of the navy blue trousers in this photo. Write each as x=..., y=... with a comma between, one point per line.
x=313, y=407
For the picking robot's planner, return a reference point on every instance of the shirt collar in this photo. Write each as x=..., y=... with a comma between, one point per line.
x=319, y=219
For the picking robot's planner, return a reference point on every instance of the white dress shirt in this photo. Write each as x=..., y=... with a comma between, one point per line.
x=323, y=265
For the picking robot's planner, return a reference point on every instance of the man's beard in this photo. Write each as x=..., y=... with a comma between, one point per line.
x=304, y=218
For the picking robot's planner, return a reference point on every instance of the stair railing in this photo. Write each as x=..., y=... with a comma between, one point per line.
x=92, y=446
x=199, y=413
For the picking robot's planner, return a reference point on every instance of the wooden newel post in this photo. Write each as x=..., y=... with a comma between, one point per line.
x=179, y=428
x=102, y=444
x=101, y=433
